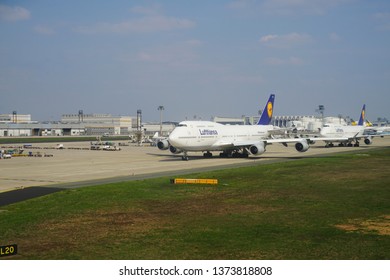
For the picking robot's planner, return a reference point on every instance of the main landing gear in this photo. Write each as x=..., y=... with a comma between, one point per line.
x=224, y=154
x=184, y=156
x=207, y=154
x=341, y=144
x=233, y=154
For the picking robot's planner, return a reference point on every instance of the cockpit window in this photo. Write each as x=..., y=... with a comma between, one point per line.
x=182, y=125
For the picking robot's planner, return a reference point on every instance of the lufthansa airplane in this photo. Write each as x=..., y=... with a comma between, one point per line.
x=346, y=135
x=230, y=140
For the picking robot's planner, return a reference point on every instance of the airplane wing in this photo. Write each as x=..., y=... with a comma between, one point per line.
x=278, y=131
x=328, y=139
x=239, y=144
x=284, y=140
x=258, y=147
x=235, y=144
x=223, y=145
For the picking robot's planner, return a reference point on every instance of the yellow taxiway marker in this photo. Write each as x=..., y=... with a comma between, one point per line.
x=194, y=181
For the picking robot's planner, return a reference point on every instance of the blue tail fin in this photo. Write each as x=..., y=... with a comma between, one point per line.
x=266, y=116
x=362, y=115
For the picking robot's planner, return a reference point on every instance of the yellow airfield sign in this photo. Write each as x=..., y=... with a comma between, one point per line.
x=194, y=181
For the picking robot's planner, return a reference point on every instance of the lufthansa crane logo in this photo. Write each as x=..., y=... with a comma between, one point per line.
x=363, y=114
x=269, y=109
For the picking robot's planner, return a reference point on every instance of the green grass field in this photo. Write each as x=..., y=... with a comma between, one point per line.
x=335, y=207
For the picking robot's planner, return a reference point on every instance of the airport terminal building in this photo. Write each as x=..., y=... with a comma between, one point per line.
x=70, y=125
x=14, y=125
x=100, y=124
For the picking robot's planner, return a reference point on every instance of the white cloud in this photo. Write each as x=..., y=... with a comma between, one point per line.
x=285, y=41
x=382, y=16
x=242, y=79
x=194, y=43
x=151, y=20
x=301, y=6
x=44, y=30
x=334, y=37
x=287, y=7
x=268, y=38
x=274, y=61
x=144, y=56
x=241, y=4
x=8, y=13
x=175, y=54
x=384, y=19
x=151, y=10
x=142, y=25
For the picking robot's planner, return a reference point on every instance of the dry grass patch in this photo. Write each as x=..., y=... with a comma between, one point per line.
x=379, y=226
x=89, y=228
x=123, y=225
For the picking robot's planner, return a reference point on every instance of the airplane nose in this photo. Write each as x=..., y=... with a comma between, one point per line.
x=173, y=139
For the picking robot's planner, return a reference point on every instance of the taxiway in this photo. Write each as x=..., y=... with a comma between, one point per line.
x=77, y=166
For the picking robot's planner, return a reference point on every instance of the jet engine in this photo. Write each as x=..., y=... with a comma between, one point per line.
x=368, y=141
x=302, y=146
x=174, y=150
x=257, y=149
x=163, y=144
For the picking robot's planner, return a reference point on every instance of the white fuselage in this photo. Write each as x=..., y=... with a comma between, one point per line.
x=380, y=129
x=347, y=131
x=210, y=136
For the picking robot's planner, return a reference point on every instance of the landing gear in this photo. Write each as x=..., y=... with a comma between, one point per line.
x=207, y=154
x=223, y=155
x=343, y=144
x=240, y=155
x=184, y=156
x=234, y=154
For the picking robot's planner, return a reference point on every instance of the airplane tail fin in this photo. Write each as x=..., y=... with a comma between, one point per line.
x=362, y=115
x=266, y=116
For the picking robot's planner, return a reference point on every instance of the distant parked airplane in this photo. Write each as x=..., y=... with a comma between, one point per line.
x=346, y=135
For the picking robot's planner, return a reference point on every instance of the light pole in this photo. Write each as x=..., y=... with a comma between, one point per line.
x=160, y=108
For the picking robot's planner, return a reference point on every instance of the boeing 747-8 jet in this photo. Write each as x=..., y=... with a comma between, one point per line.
x=230, y=140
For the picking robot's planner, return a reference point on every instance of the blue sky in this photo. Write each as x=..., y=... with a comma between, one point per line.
x=195, y=58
